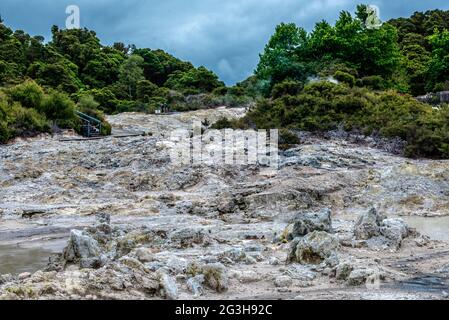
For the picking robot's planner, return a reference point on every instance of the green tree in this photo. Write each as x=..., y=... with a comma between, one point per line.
x=194, y=80
x=131, y=73
x=439, y=64
x=103, y=69
x=279, y=61
x=146, y=89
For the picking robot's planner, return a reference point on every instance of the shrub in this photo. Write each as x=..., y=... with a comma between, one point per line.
x=58, y=107
x=325, y=106
x=286, y=87
x=87, y=102
x=220, y=91
x=194, y=81
x=441, y=86
x=237, y=91
x=105, y=98
x=287, y=138
x=5, y=134
x=25, y=121
x=345, y=77
x=373, y=82
x=29, y=94
x=222, y=123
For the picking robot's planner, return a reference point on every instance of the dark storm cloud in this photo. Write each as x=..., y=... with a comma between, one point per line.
x=223, y=35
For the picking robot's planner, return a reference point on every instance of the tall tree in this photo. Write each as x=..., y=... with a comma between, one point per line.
x=278, y=61
x=131, y=73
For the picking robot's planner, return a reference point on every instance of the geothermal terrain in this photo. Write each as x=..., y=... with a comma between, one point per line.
x=114, y=218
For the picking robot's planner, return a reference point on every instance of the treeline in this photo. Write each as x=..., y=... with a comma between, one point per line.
x=77, y=69
x=362, y=79
x=345, y=75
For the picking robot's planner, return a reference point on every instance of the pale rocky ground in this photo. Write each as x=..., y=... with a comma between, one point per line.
x=214, y=232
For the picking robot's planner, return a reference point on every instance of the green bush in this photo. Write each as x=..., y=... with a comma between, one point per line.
x=326, y=106
x=105, y=97
x=5, y=134
x=287, y=138
x=441, y=86
x=194, y=81
x=87, y=102
x=373, y=82
x=58, y=107
x=345, y=77
x=29, y=94
x=25, y=121
x=237, y=91
x=220, y=91
x=222, y=123
x=286, y=87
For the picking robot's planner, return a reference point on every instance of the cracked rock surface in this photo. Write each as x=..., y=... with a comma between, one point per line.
x=115, y=219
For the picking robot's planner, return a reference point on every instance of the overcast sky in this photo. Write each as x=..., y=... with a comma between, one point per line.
x=223, y=35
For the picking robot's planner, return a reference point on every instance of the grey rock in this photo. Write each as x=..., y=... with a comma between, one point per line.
x=247, y=276
x=5, y=278
x=380, y=232
x=24, y=275
x=274, y=261
x=368, y=225
x=300, y=272
x=363, y=275
x=177, y=265
x=187, y=237
x=195, y=285
x=343, y=270
x=132, y=263
x=315, y=247
x=332, y=261
x=394, y=229
x=283, y=281
x=215, y=275
x=233, y=255
x=144, y=255
x=311, y=221
x=103, y=218
x=169, y=287
x=82, y=248
x=150, y=285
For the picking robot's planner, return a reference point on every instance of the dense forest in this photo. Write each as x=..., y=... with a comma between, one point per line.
x=352, y=77
x=43, y=83
x=345, y=75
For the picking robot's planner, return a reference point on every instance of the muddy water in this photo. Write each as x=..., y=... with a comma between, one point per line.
x=28, y=257
x=25, y=246
x=437, y=228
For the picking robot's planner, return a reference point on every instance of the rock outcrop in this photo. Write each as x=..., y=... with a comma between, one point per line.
x=306, y=222
x=314, y=248
x=145, y=227
x=378, y=230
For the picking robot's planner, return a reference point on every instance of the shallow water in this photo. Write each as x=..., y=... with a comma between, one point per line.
x=437, y=228
x=31, y=257
x=424, y=283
